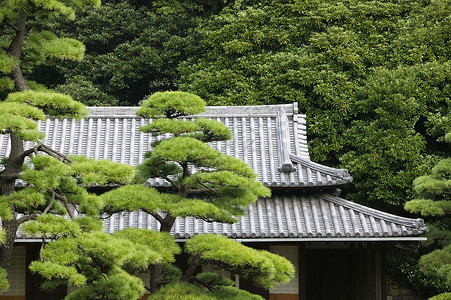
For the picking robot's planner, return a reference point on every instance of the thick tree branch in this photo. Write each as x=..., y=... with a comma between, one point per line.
x=16, y=51
x=50, y=204
x=95, y=262
x=13, y=167
x=24, y=219
x=46, y=149
x=155, y=215
x=192, y=267
x=65, y=202
x=12, y=26
x=208, y=287
x=9, y=176
x=208, y=188
x=30, y=151
x=155, y=277
x=172, y=182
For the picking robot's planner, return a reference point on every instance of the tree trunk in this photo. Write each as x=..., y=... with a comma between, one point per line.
x=16, y=51
x=8, y=186
x=7, y=248
x=167, y=223
x=13, y=167
x=15, y=161
x=192, y=267
x=156, y=271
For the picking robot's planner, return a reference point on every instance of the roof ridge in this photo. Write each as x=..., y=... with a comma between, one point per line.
x=342, y=173
x=216, y=111
x=419, y=223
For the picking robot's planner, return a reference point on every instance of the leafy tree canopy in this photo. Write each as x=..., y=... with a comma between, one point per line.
x=434, y=199
x=373, y=78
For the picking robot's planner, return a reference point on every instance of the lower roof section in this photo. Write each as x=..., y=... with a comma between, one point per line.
x=287, y=218
x=318, y=216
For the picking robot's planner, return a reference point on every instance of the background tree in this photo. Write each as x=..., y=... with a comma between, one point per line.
x=348, y=65
x=133, y=49
x=204, y=184
x=434, y=200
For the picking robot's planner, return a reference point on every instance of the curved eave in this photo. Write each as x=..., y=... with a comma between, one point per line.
x=304, y=240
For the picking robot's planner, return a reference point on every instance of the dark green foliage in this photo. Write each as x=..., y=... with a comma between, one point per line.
x=372, y=76
x=132, y=50
x=404, y=271
x=434, y=199
x=83, y=90
x=375, y=90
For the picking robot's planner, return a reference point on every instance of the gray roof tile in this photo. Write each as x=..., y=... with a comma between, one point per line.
x=271, y=139
x=317, y=215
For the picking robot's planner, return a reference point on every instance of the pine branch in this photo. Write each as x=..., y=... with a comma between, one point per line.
x=26, y=218
x=208, y=287
x=172, y=182
x=66, y=204
x=12, y=26
x=208, y=188
x=46, y=149
x=50, y=204
x=95, y=262
x=31, y=151
x=155, y=215
x=192, y=267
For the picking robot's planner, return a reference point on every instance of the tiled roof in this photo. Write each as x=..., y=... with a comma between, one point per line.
x=270, y=138
x=315, y=215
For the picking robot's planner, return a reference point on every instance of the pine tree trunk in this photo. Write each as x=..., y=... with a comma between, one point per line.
x=167, y=223
x=8, y=186
x=192, y=267
x=156, y=271
x=16, y=160
x=16, y=51
x=7, y=248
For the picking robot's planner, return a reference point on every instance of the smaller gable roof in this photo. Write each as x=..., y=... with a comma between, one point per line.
x=289, y=216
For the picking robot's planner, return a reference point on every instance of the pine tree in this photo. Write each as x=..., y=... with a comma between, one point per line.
x=434, y=200
x=205, y=184
x=54, y=183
